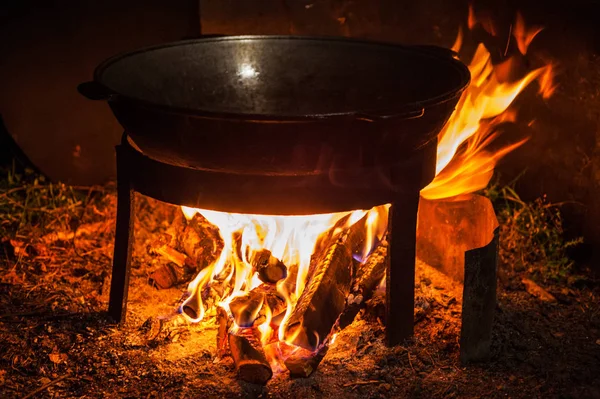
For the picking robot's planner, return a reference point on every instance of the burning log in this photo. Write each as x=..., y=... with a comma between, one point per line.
x=269, y=268
x=368, y=277
x=251, y=308
x=192, y=308
x=324, y=296
x=273, y=303
x=249, y=357
x=304, y=362
x=245, y=308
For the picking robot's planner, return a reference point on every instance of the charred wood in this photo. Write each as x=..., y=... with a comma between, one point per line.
x=273, y=304
x=269, y=268
x=249, y=357
x=325, y=240
x=188, y=247
x=193, y=307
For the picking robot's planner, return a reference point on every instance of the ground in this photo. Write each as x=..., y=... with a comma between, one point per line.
x=56, y=341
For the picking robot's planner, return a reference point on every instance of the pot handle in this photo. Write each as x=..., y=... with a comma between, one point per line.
x=95, y=91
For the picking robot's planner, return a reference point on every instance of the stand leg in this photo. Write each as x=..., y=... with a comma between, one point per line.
x=400, y=276
x=117, y=305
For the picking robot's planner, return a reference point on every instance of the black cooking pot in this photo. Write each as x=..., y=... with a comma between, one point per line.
x=280, y=105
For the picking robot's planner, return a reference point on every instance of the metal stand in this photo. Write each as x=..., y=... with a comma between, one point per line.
x=119, y=286
x=400, y=273
x=287, y=195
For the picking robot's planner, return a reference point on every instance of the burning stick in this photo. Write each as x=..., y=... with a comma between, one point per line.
x=249, y=356
x=222, y=332
x=368, y=277
x=162, y=247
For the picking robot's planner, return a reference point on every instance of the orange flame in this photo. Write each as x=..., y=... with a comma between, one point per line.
x=524, y=35
x=486, y=22
x=482, y=108
x=292, y=240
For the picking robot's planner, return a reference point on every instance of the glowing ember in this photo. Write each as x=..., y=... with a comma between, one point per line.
x=483, y=106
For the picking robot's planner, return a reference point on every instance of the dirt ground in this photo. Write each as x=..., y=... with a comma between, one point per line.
x=56, y=341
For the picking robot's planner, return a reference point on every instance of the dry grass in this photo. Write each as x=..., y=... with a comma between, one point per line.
x=531, y=236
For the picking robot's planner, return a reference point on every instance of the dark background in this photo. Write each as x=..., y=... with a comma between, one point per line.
x=47, y=48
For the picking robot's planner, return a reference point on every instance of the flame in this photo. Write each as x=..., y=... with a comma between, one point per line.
x=290, y=239
x=524, y=35
x=485, y=20
x=464, y=163
x=332, y=339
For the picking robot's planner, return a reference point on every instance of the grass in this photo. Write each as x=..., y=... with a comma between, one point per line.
x=31, y=205
x=531, y=235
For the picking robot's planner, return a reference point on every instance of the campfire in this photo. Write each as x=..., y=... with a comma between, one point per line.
x=281, y=286
x=403, y=205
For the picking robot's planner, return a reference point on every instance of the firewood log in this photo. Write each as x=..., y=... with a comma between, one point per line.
x=269, y=268
x=245, y=308
x=170, y=254
x=249, y=357
x=251, y=309
x=200, y=241
x=324, y=297
x=274, y=303
x=190, y=245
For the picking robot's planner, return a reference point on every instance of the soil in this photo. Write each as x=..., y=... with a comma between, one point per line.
x=56, y=341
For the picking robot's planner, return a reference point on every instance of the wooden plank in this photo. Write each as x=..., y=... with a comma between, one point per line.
x=479, y=302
